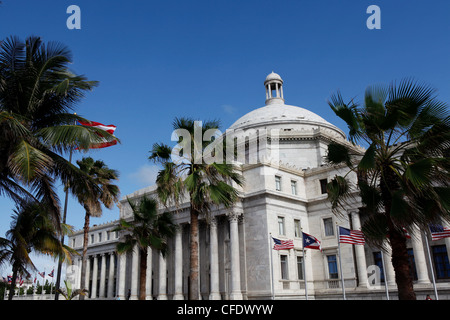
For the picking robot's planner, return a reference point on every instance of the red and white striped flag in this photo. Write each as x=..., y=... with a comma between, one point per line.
x=350, y=236
x=282, y=244
x=108, y=128
x=439, y=232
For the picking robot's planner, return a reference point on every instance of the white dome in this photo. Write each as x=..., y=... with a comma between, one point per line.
x=276, y=114
x=273, y=76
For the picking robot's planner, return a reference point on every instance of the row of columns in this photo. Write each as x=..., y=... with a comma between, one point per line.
x=103, y=291
x=236, y=292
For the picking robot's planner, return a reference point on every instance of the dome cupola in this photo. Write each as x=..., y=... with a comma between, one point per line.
x=274, y=89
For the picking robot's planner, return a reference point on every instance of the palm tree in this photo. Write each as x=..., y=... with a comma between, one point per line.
x=32, y=229
x=69, y=293
x=204, y=184
x=403, y=175
x=37, y=94
x=147, y=229
x=106, y=194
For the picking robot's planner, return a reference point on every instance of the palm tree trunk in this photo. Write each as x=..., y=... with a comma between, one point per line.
x=193, y=272
x=143, y=274
x=400, y=258
x=400, y=261
x=84, y=255
x=13, y=282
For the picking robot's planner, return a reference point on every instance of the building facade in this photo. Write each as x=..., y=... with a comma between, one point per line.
x=283, y=151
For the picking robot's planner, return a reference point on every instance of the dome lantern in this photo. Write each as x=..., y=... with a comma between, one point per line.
x=274, y=89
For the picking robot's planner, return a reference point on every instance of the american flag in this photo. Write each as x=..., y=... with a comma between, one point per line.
x=282, y=244
x=350, y=236
x=439, y=232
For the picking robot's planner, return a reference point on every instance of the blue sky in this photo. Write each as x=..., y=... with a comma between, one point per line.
x=157, y=60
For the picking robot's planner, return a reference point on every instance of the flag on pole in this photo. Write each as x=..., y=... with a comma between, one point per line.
x=282, y=244
x=311, y=242
x=439, y=232
x=42, y=274
x=51, y=273
x=9, y=279
x=350, y=236
x=108, y=128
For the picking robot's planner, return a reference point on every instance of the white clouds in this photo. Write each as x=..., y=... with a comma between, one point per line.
x=145, y=175
x=229, y=109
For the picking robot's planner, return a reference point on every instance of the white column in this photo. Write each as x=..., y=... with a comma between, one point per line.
x=88, y=274
x=78, y=266
x=135, y=274
x=236, y=293
x=110, y=293
x=122, y=272
x=214, y=260
x=419, y=256
x=446, y=240
x=178, y=265
x=94, y=277
x=360, y=254
x=390, y=273
x=102, y=276
x=162, y=294
x=148, y=275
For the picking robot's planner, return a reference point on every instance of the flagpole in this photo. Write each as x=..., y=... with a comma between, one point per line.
x=384, y=275
x=66, y=200
x=304, y=265
x=271, y=264
x=340, y=263
x=431, y=266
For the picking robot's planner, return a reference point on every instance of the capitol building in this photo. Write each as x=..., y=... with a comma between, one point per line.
x=284, y=194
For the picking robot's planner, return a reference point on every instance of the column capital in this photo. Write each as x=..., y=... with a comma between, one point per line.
x=233, y=216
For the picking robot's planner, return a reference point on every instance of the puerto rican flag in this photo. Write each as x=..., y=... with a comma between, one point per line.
x=51, y=273
x=108, y=128
x=42, y=274
x=311, y=242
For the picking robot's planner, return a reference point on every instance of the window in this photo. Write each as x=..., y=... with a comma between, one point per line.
x=323, y=185
x=440, y=259
x=412, y=264
x=277, y=183
x=108, y=235
x=92, y=238
x=297, y=228
x=328, y=227
x=284, y=267
x=73, y=243
x=281, y=226
x=300, y=268
x=99, y=237
x=332, y=267
x=294, y=187
x=379, y=263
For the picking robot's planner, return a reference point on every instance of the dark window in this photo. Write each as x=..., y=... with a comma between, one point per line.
x=323, y=185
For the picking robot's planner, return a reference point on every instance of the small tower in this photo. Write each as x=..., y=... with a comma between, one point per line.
x=274, y=89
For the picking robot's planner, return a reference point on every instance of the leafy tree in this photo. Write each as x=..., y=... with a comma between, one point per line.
x=403, y=175
x=31, y=230
x=202, y=183
x=147, y=229
x=106, y=193
x=37, y=94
